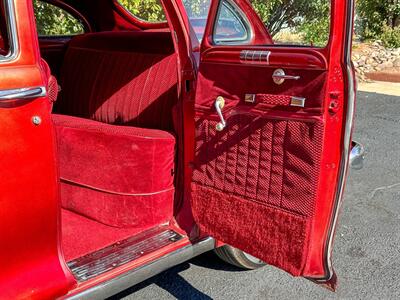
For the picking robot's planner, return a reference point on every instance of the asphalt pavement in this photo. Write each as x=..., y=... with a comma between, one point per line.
x=367, y=245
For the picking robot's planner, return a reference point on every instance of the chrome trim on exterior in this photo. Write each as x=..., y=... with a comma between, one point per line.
x=12, y=32
x=22, y=93
x=120, y=253
x=357, y=156
x=346, y=141
x=140, y=274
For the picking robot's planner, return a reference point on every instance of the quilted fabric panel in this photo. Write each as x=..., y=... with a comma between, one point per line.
x=254, y=185
x=273, y=162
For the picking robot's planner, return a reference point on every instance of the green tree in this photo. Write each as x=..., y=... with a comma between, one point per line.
x=51, y=20
x=374, y=15
x=310, y=18
x=148, y=10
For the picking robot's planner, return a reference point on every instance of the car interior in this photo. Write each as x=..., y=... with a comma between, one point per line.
x=115, y=130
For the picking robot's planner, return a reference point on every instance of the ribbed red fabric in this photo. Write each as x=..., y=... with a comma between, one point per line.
x=123, y=78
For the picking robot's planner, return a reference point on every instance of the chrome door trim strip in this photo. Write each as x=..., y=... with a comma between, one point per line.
x=344, y=163
x=135, y=276
x=22, y=93
x=12, y=32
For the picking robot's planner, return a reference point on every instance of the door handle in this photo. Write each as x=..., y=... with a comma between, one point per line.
x=279, y=76
x=23, y=93
x=219, y=105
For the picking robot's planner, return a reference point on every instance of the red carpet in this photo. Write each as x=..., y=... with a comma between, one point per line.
x=81, y=235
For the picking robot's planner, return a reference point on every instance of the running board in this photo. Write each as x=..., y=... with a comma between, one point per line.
x=139, y=274
x=122, y=252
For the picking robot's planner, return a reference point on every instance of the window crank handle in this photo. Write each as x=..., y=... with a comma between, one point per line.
x=219, y=105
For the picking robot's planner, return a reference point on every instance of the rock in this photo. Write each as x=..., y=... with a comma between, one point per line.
x=369, y=61
x=374, y=57
x=386, y=65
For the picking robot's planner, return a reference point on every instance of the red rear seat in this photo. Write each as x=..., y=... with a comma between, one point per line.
x=118, y=175
x=123, y=78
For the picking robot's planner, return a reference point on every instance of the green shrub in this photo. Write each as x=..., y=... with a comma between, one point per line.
x=148, y=10
x=372, y=15
x=391, y=36
x=51, y=20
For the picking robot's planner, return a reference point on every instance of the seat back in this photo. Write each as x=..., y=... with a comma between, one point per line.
x=122, y=78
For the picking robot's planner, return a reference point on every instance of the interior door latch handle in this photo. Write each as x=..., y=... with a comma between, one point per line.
x=219, y=105
x=279, y=76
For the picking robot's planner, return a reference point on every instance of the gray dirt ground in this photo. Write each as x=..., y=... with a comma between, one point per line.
x=367, y=248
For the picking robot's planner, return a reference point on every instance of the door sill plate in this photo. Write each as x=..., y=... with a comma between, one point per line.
x=122, y=252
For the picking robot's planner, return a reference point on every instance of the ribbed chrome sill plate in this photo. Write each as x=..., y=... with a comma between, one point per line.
x=122, y=252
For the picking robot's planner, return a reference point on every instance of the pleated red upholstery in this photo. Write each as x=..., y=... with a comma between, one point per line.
x=117, y=175
x=261, y=175
x=123, y=78
x=121, y=176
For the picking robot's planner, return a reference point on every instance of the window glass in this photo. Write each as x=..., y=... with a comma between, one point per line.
x=197, y=12
x=54, y=21
x=4, y=45
x=146, y=10
x=229, y=25
x=296, y=22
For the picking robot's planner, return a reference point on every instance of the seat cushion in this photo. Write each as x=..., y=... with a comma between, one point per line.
x=117, y=175
x=121, y=78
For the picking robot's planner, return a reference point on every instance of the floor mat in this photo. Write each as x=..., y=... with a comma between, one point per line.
x=81, y=235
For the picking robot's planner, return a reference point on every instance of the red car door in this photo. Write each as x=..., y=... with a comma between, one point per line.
x=29, y=214
x=272, y=135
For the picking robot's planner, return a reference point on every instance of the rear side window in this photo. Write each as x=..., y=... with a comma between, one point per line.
x=197, y=12
x=292, y=23
x=52, y=20
x=145, y=10
x=4, y=43
x=231, y=26
x=8, y=31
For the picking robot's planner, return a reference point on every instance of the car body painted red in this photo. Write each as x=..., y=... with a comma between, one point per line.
x=259, y=165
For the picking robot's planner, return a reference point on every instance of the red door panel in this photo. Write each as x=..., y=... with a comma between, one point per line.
x=266, y=182
x=266, y=161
